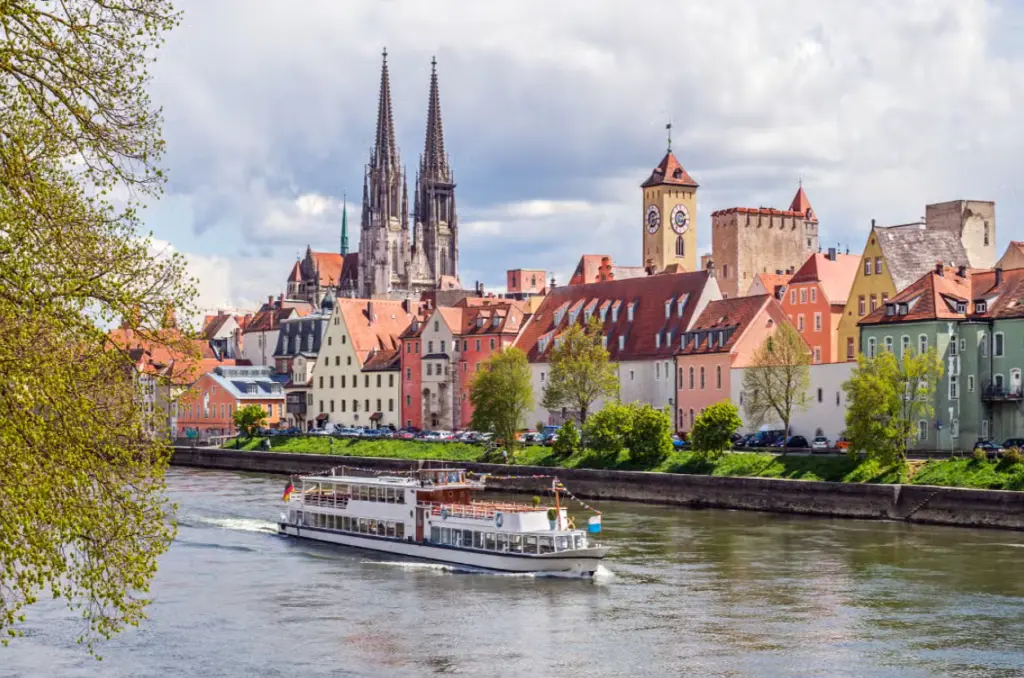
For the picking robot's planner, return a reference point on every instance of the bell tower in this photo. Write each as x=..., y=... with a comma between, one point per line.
x=669, y=216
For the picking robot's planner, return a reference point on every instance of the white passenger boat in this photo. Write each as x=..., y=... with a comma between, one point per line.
x=431, y=515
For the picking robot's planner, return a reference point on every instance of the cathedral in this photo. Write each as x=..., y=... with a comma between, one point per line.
x=391, y=263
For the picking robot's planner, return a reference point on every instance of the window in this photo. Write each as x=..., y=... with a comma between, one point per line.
x=366, y=380
x=691, y=384
x=478, y=344
x=800, y=322
x=342, y=405
x=860, y=305
x=997, y=381
x=952, y=346
x=970, y=383
x=429, y=369
x=867, y=266
x=321, y=382
x=821, y=395
x=631, y=375
x=348, y=361
x=379, y=408
x=871, y=346
x=680, y=246
x=657, y=371
x=367, y=403
x=922, y=430
x=817, y=354
x=850, y=348
x=817, y=322
x=792, y=297
x=922, y=344
x=954, y=387
x=702, y=378
x=874, y=303
x=986, y=234
x=391, y=380
x=803, y=295
x=343, y=381
x=984, y=428
x=437, y=326
x=355, y=405
x=337, y=360
x=378, y=381
x=878, y=265
x=963, y=345
x=492, y=343
x=888, y=344
x=980, y=307
x=408, y=373
x=332, y=405
x=331, y=379
x=814, y=295
x=408, y=400
x=718, y=377
x=430, y=346
x=997, y=345
x=442, y=346
x=983, y=343
x=321, y=406
x=904, y=345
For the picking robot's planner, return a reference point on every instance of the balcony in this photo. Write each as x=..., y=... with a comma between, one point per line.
x=1000, y=393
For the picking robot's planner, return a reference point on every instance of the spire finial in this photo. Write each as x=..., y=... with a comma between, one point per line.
x=434, y=161
x=668, y=128
x=433, y=63
x=344, y=223
x=800, y=181
x=384, y=53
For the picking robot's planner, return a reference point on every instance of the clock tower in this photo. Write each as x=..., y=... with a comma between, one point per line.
x=669, y=218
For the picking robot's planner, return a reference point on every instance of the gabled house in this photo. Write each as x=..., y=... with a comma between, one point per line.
x=814, y=299
x=207, y=409
x=259, y=338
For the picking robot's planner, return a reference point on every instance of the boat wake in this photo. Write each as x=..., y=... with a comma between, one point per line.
x=241, y=524
x=602, y=575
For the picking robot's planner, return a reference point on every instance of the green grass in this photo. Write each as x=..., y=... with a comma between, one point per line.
x=968, y=473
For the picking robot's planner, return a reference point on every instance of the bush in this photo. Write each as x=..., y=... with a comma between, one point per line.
x=1013, y=456
x=979, y=454
x=712, y=432
x=650, y=437
x=608, y=429
x=568, y=440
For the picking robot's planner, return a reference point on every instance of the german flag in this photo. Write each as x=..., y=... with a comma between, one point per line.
x=288, y=491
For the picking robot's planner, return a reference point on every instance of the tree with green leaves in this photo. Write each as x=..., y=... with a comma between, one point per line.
x=83, y=515
x=775, y=385
x=649, y=438
x=250, y=419
x=502, y=396
x=887, y=399
x=713, y=430
x=607, y=429
x=580, y=373
x=568, y=440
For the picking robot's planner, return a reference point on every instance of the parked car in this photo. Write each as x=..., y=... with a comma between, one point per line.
x=1013, y=442
x=678, y=443
x=990, y=447
x=819, y=443
x=842, y=443
x=405, y=435
x=796, y=442
x=374, y=433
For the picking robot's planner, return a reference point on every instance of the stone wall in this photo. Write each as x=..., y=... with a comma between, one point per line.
x=914, y=503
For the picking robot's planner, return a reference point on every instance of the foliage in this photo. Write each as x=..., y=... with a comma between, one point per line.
x=82, y=510
x=979, y=454
x=552, y=514
x=501, y=396
x=712, y=432
x=606, y=431
x=536, y=500
x=1012, y=456
x=580, y=372
x=887, y=398
x=649, y=437
x=775, y=385
x=568, y=440
x=250, y=419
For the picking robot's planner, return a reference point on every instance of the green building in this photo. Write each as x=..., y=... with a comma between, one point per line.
x=975, y=320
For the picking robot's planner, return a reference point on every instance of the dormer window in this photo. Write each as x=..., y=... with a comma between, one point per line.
x=980, y=307
x=668, y=338
x=629, y=311
x=252, y=389
x=604, y=341
x=622, y=342
x=495, y=321
x=902, y=309
x=961, y=307
x=615, y=313
x=668, y=309
x=657, y=340
x=479, y=322
x=890, y=309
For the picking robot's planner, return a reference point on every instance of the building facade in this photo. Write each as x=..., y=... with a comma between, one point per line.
x=814, y=299
x=746, y=241
x=669, y=218
x=207, y=408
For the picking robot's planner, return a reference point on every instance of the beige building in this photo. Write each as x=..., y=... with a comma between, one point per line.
x=669, y=219
x=747, y=241
x=356, y=380
x=973, y=221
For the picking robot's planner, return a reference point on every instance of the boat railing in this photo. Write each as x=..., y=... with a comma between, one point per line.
x=478, y=510
x=326, y=500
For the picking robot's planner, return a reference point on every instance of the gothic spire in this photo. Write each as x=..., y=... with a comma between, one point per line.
x=385, y=153
x=434, y=163
x=344, y=224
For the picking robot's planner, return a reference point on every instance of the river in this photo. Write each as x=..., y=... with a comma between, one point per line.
x=704, y=593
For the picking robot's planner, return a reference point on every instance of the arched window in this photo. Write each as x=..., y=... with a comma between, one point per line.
x=691, y=385
x=718, y=377
x=691, y=418
x=444, y=261
x=680, y=246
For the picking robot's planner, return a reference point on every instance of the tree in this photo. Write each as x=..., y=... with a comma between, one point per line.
x=775, y=385
x=887, y=399
x=649, y=437
x=82, y=510
x=250, y=419
x=568, y=440
x=502, y=396
x=713, y=430
x=580, y=372
x=606, y=431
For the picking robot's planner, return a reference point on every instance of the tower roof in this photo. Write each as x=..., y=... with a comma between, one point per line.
x=385, y=152
x=344, y=225
x=670, y=172
x=802, y=205
x=434, y=162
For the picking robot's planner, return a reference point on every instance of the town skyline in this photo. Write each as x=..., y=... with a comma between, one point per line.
x=550, y=139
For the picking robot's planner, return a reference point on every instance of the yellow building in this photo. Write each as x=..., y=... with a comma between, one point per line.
x=893, y=258
x=669, y=218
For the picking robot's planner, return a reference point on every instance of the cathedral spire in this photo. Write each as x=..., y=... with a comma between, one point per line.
x=434, y=162
x=385, y=153
x=344, y=224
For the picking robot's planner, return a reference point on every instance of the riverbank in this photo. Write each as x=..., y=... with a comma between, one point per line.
x=912, y=503
x=965, y=473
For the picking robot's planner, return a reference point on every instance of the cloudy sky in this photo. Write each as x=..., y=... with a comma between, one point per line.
x=554, y=113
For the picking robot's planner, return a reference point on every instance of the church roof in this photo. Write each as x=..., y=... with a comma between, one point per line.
x=802, y=205
x=669, y=172
x=335, y=268
x=296, y=274
x=434, y=162
x=385, y=151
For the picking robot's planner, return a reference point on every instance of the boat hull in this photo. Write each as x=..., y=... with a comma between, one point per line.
x=583, y=562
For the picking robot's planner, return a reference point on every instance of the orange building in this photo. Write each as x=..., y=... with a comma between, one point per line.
x=208, y=407
x=814, y=300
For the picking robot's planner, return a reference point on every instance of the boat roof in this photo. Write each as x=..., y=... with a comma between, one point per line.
x=420, y=478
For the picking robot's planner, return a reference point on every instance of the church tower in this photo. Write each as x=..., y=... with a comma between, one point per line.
x=384, y=255
x=435, y=240
x=669, y=217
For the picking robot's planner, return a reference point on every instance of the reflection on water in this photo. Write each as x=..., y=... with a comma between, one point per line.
x=684, y=593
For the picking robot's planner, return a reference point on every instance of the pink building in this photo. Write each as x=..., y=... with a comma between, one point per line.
x=724, y=336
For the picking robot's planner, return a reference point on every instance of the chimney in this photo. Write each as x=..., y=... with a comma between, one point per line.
x=872, y=223
x=961, y=271
x=939, y=269
x=778, y=271
x=552, y=282
x=831, y=253
x=405, y=304
x=270, y=300
x=711, y=268
x=369, y=310
x=999, y=277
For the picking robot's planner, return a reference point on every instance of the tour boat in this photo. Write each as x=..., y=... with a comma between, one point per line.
x=430, y=514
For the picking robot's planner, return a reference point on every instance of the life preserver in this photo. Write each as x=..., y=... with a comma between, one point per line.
x=444, y=514
x=499, y=518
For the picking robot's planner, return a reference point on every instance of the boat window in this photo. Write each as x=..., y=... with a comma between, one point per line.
x=446, y=535
x=342, y=490
x=489, y=541
x=330, y=522
x=345, y=523
x=467, y=538
x=362, y=525
x=401, y=496
x=435, y=535
x=400, y=530
x=579, y=541
x=515, y=543
x=563, y=543
x=530, y=545
x=373, y=493
x=364, y=493
x=373, y=526
x=502, y=542
x=391, y=495
x=457, y=537
x=382, y=529
x=547, y=545
x=478, y=540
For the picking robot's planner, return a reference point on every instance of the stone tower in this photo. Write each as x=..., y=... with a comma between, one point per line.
x=669, y=217
x=384, y=254
x=435, y=239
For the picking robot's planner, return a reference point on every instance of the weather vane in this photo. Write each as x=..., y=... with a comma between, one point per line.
x=668, y=128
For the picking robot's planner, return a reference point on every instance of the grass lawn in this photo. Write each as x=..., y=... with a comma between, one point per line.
x=969, y=473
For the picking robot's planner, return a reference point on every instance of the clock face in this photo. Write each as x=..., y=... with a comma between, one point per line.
x=653, y=218
x=680, y=219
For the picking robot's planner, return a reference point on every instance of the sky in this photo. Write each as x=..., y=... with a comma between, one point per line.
x=554, y=113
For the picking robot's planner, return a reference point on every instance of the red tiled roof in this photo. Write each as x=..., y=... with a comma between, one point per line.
x=732, y=316
x=380, y=333
x=215, y=324
x=766, y=211
x=669, y=172
x=389, y=359
x=296, y=274
x=647, y=295
x=930, y=297
x=1005, y=300
x=270, y=317
x=511, y=318
x=771, y=281
x=155, y=357
x=801, y=205
x=836, y=277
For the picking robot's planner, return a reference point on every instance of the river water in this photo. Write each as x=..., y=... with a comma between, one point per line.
x=704, y=593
